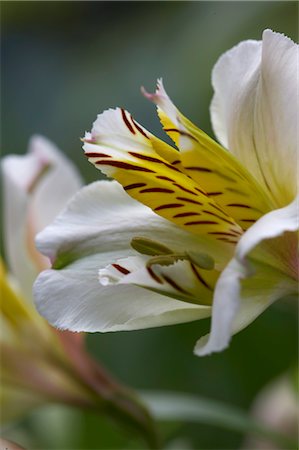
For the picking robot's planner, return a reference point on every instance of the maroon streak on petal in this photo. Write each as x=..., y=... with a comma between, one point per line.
x=96, y=155
x=239, y=205
x=219, y=217
x=214, y=194
x=174, y=284
x=186, y=214
x=198, y=169
x=202, y=222
x=125, y=119
x=189, y=200
x=182, y=133
x=146, y=158
x=169, y=205
x=133, y=186
x=184, y=189
x=161, y=177
x=248, y=220
x=139, y=128
x=121, y=269
x=164, y=190
x=153, y=275
x=123, y=165
x=199, y=277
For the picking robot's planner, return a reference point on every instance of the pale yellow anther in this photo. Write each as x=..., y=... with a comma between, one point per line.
x=202, y=260
x=147, y=246
x=165, y=260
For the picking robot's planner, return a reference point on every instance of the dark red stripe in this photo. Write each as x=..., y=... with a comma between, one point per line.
x=219, y=217
x=174, y=284
x=145, y=157
x=139, y=128
x=166, y=191
x=171, y=167
x=182, y=133
x=202, y=222
x=169, y=205
x=239, y=205
x=248, y=220
x=161, y=177
x=189, y=200
x=133, y=186
x=96, y=155
x=153, y=275
x=199, y=190
x=235, y=232
x=184, y=189
x=177, y=161
x=212, y=194
x=171, y=129
x=123, y=165
x=186, y=214
x=125, y=119
x=121, y=269
x=198, y=169
x=199, y=277
x=216, y=207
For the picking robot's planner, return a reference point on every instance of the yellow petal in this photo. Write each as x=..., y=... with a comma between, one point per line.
x=124, y=150
x=19, y=317
x=217, y=171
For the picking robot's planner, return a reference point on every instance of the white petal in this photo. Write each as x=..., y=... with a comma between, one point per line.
x=244, y=290
x=31, y=200
x=271, y=225
x=55, y=189
x=239, y=300
x=231, y=76
x=102, y=218
x=255, y=110
x=73, y=299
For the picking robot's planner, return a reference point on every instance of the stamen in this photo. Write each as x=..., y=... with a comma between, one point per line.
x=147, y=246
x=164, y=256
x=165, y=260
x=202, y=260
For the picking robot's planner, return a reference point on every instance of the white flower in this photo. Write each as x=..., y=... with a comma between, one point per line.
x=196, y=232
x=39, y=364
x=36, y=187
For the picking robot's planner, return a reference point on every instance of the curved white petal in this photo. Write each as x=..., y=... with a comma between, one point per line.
x=36, y=187
x=101, y=218
x=271, y=225
x=239, y=300
x=246, y=287
x=74, y=299
x=255, y=110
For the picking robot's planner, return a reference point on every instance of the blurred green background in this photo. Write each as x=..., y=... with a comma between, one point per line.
x=62, y=64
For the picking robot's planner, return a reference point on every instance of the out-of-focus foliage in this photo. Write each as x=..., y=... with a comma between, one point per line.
x=64, y=62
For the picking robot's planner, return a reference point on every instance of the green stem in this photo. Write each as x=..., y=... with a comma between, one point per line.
x=172, y=406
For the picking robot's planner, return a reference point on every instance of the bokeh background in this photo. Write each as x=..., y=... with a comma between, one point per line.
x=62, y=64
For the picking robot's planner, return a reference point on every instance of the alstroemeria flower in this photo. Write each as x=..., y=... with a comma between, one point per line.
x=197, y=230
x=36, y=187
x=38, y=363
